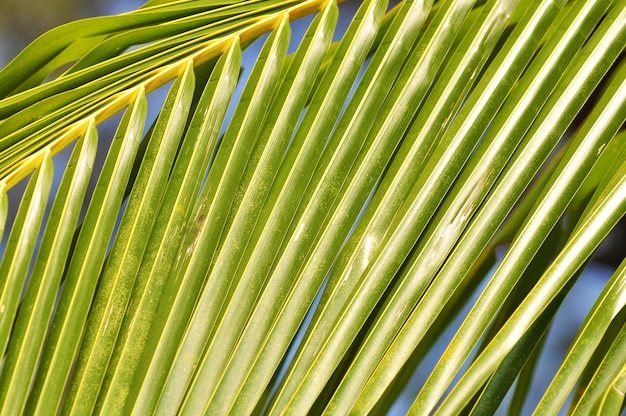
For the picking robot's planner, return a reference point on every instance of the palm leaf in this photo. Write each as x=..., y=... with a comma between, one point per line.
x=306, y=252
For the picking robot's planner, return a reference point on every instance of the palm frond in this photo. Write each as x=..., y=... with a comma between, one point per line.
x=306, y=252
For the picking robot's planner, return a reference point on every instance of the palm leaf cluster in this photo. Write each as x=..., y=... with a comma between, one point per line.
x=366, y=181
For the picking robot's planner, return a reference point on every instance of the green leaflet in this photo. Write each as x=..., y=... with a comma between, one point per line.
x=20, y=246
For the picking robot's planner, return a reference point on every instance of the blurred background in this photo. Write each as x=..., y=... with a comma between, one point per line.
x=21, y=21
